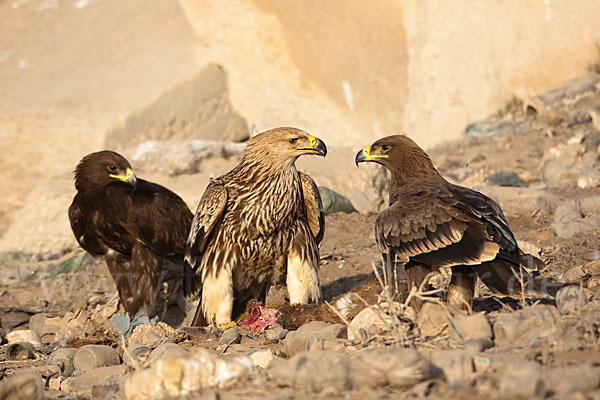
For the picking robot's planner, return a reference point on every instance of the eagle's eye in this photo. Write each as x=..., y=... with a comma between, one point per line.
x=385, y=147
x=112, y=168
x=293, y=140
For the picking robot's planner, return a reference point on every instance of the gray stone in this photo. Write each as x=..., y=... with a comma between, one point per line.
x=570, y=299
x=314, y=370
x=474, y=326
x=569, y=221
x=22, y=386
x=573, y=275
x=230, y=336
x=275, y=332
x=557, y=173
x=488, y=129
x=456, y=365
x=432, y=321
x=314, y=331
x=566, y=380
x=523, y=380
x=84, y=384
x=94, y=356
x=520, y=328
x=506, y=178
x=334, y=202
x=63, y=358
x=399, y=368
x=167, y=351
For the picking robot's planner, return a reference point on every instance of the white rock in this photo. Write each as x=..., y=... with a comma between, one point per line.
x=199, y=369
x=24, y=336
x=262, y=358
x=370, y=321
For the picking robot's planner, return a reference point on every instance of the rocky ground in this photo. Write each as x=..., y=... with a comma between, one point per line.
x=539, y=160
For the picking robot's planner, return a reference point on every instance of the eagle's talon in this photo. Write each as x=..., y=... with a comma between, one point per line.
x=226, y=326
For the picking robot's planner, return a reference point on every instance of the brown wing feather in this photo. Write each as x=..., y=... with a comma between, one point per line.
x=313, y=207
x=425, y=226
x=208, y=214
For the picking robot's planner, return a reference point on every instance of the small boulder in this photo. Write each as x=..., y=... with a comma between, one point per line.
x=275, y=332
x=301, y=339
x=262, y=358
x=94, y=356
x=22, y=386
x=557, y=173
x=368, y=323
x=84, y=384
x=230, y=336
x=315, y=370
x=199, y=369
x=570, y=299
x=519, y=328
x=470, y=327
x=431, y=320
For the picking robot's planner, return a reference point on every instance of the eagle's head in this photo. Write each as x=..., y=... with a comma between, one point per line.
x=283, y=146
x=400, y=155
x=97, y=170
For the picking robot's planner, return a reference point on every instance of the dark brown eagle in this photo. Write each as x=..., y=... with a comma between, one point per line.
x=257, y=224
x=431, y=223
x=134, y=223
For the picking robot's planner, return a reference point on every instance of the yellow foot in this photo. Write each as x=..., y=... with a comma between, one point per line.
x=226, y=326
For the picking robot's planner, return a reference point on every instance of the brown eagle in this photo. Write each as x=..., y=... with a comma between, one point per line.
x=257, y=224
x=431, y=223
x=133, y=223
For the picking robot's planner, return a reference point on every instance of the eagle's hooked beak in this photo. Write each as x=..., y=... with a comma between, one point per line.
x=317, y=146
x=365, y=155
x=129, y=177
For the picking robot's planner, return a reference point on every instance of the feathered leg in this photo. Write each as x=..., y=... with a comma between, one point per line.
x=217, y=297
x=462, y=287
x=303, y=274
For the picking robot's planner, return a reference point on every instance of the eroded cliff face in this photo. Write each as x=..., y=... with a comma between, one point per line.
x=81, y=75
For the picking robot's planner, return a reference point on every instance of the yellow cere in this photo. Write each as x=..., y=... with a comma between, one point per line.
x=124, y=178
x=313, y=143
x=367, y=151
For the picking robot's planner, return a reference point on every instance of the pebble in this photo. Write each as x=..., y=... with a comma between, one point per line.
x=275, y=332
x=230, y=336
x=24, y=385
x=94, y=356
x=28, y=336
x=494, y=128
x=506, y=178
x=167, y=351
x=137, y=354
x=557, y=173
x=199, y=369
x=63, y=358
x=84, y=384
x=301, y=339
x=519, y=328
x=399, y=368
x=569, y=221
x=153, y=335
x=315, y=370
x=570, y=299
x=522, y=380
x=574, y=275
x=471, y=327
x=457, y=366
x=431, y=320
x=262, y=358
x=369, y=322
